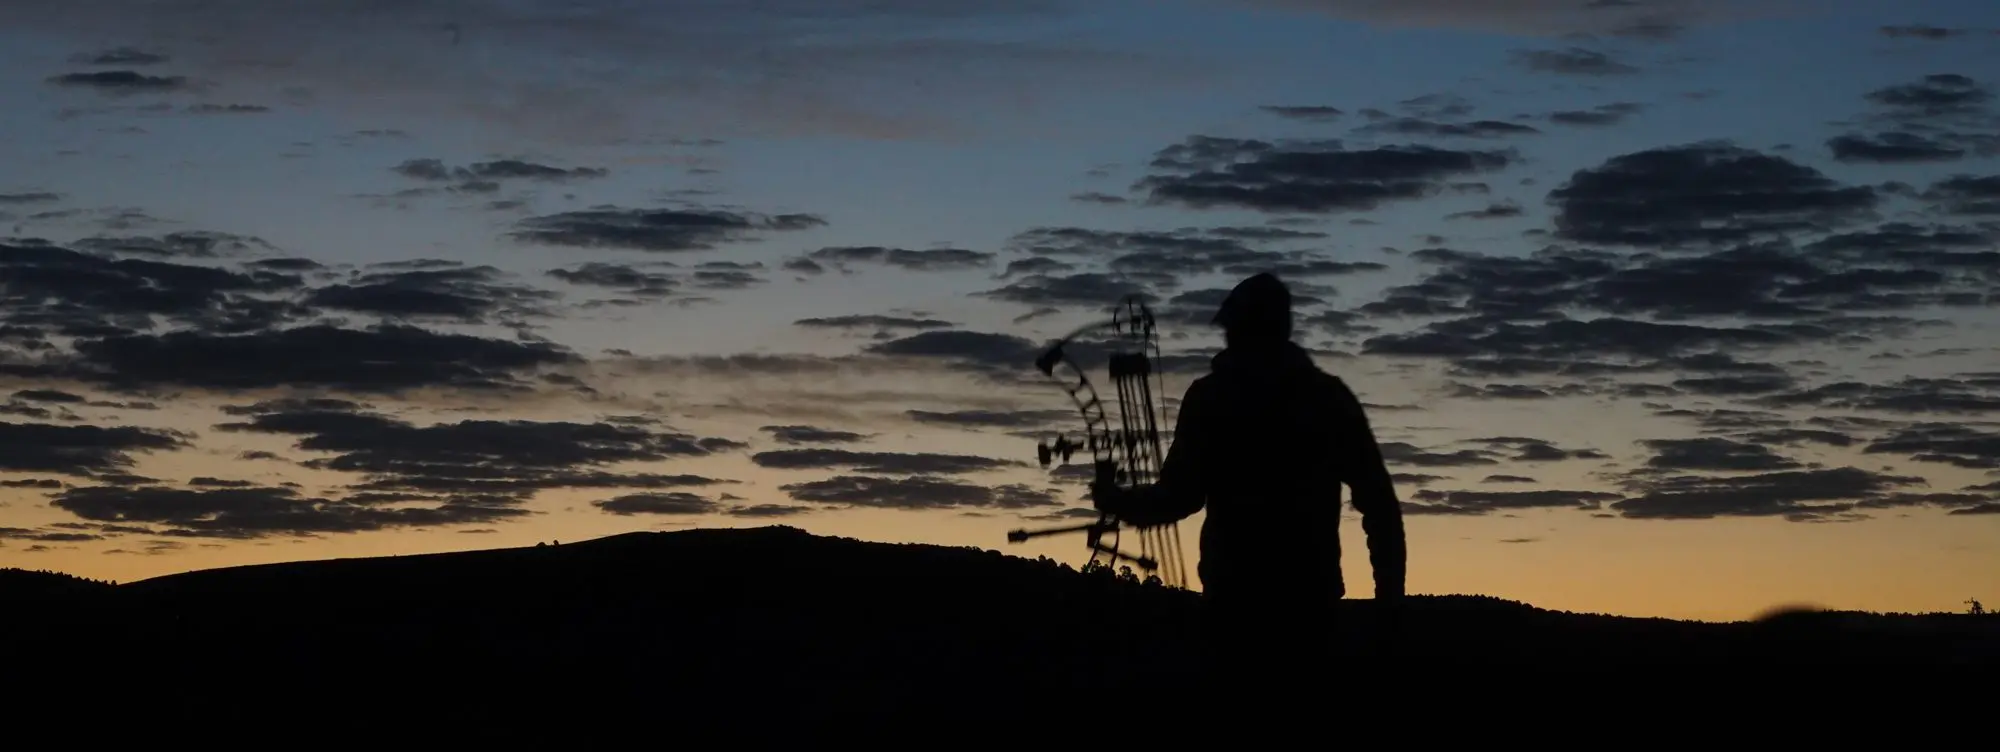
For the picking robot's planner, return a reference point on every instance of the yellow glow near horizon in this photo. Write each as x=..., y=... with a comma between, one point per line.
x=1709, y=569
x=1719, y=569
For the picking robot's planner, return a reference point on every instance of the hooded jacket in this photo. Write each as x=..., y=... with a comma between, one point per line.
x=1264, y=442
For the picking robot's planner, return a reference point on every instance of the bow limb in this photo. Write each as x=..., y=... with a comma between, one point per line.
x=1123, y=457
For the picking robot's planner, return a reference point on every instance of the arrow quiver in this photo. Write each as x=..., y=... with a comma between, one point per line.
x=1126, y=454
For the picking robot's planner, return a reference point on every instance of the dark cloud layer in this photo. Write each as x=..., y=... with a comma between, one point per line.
x=386, y=358
x=1573, y=61
x=1941, y=117
x=604, y=72
x=139, y=314
x=894, y=463
x=493, y=457
x=403, y=474
x=812, y=435
x=1050, y=268
x=844, y=258
x=120, y=81
x=259, y=512
x=1737, y=253
x=1711, y=192
x=916, y=493
x=1306, y=177
x=80, y=451
x=496, y=170
x=659, y=230
x=1801, y=495
x=473, y=295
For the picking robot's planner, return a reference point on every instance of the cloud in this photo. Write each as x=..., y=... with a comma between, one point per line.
x=1206, y=172
x=1966, y=195
x=497, y=458
x=381, y=359
x=1920, y=31
x=121, y=56
x=1098, y=197
x=978, y=351
x=30, y=197
x=1527, y=450
x=79, y=294
x=245, y=513
x=1573, y=61
x=1601, y=115
x=127, y=314
x=1955, y=444
x=1014, y=419
x=812, y=435
x=674, y=502
x=1307, y=113
x=633, y=281
x=916, y=493
x=1709, y=192
x=1570, y=346
x=1186, y=250
x=1891, y=148
x=120, y=82
x=1403, y=453
x=1935, y=95
x=894, y=463
x=226, y=109
x=602, y=71
x=1468, y=503
x=1940, y=117
x=434, y=170
x=1647, y=20
x=879, y=323
x=1408, y=126
x=461, y=294
x=659, y=230
x=80, y=451
x=1086, y=290
x=1798, y=495
x=1492, y=211
x=926, y=260
x=1714, y=454
x=1967, y=394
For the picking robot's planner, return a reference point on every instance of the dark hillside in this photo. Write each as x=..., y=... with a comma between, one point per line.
x=704, y=618
x=24, y=585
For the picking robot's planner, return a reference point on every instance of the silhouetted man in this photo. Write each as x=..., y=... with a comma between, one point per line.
x=1264, y=442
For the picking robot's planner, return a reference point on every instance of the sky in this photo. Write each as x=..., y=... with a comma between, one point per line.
x=1662, y=308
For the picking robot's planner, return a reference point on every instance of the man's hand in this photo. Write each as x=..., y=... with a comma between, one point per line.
x=1108, y=498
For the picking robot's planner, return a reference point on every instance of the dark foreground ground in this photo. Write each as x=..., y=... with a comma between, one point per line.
x=706, y=622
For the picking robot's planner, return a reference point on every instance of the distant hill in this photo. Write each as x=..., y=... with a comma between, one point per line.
x=818, y=625
x=25, y=585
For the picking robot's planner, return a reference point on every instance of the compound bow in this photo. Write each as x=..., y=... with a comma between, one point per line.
x=1128, y=456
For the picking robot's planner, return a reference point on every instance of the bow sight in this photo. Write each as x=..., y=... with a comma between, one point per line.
x=1127, y=457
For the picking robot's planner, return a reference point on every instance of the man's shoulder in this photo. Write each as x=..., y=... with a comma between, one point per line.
x=1322, y=379
x=1201, y=385
x=1332, y=394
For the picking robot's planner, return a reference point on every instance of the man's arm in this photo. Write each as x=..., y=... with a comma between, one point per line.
x=1182, y=488
x=1367, y=474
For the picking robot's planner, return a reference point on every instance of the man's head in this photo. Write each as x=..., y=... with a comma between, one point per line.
x=1258, y=311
